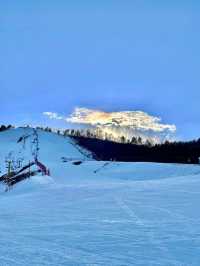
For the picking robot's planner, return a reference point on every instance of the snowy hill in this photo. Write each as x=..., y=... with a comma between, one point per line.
x=97, y=213
x=51, y=146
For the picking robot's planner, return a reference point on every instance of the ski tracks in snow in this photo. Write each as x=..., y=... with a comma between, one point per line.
x=151, y=237
x=129, y=211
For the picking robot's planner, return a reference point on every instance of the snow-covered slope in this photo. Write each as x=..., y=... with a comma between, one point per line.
x=99, y=213
x=51, y=147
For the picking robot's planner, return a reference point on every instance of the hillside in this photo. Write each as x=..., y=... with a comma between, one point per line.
x=169, y=152
x=97, y=213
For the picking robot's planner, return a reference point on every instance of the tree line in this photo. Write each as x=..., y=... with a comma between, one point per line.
x=4, y=127
x=168, y=152
x=98, y=134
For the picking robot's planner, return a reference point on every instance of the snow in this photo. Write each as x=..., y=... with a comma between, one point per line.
x=99, y=213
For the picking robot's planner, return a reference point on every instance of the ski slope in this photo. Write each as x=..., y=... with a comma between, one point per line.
x=51, y=147
x=98, y=213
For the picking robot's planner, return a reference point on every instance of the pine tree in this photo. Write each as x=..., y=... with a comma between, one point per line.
x=123, y=140
x=134, y=140
x=139, y=140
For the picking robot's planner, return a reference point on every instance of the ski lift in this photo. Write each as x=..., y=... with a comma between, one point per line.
x=35, y=144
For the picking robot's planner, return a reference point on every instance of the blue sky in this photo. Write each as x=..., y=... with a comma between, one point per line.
x=108, y=55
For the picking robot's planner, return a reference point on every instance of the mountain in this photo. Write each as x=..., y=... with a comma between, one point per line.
x=89, y=212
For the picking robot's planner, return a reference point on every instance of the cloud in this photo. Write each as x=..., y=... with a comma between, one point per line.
x=130, y=119
x=127, y=123
x=52, y=115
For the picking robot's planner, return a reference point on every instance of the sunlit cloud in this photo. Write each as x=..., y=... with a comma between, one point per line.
x=127, y=123
x=131, y=119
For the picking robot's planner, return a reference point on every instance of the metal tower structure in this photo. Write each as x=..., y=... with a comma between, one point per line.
x=35, y=145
